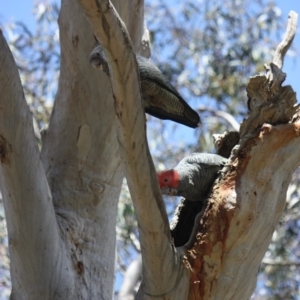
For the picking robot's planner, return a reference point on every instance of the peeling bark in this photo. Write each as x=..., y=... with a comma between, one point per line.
x=243, y=210
x=246, y=204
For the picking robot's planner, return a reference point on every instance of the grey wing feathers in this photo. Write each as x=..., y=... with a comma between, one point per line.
x=201, y=169
x=169, y=101
x=149, y=71
x=206, y=160
x=161, y=99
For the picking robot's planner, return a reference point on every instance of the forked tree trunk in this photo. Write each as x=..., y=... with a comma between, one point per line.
x=61, y=205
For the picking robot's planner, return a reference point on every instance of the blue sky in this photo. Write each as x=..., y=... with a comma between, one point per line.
x=20, y=10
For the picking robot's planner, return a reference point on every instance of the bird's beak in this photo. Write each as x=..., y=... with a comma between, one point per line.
x=169, y=191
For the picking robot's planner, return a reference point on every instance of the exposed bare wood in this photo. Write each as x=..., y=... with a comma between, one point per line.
x=224, y=143
x=241, y=216
x=267, y=107
x=268, y=102
x=245, y=206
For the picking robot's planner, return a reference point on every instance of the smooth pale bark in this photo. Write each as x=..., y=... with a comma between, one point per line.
x=82, y=162
x=81, y=153
x=244, y=209
x=34, y=238
x=65, y=251
x=163, y=272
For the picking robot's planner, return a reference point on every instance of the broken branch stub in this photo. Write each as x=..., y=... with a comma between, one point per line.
x=268, y=101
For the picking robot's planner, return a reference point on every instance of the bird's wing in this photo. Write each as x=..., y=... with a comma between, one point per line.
x=166, y=102
x=150, y=71
x=205, y=160
x=165, y=105
x=162, y=114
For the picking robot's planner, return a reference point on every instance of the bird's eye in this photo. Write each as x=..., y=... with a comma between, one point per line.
x=166, y=180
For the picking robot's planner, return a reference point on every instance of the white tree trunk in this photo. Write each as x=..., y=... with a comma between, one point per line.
x=34, y=236
x=61, y=208
x=82, y=162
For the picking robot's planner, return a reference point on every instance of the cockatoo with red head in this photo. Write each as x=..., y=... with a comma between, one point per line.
x=193, y=177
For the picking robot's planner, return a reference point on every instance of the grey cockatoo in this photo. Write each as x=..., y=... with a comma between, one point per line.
x=192, y=177
x=160, y=98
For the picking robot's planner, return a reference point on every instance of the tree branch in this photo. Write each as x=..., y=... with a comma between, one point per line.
x=242, y=214
x=285, y=263
x=225, y=115
x=82, y=161
x=27, y=198
x=268, y=101
x=133, y=17
x=157, y=250
x=245, y=206
x=288, y=38
x=131, y=279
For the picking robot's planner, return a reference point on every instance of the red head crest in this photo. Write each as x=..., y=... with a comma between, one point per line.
x=169, y=178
